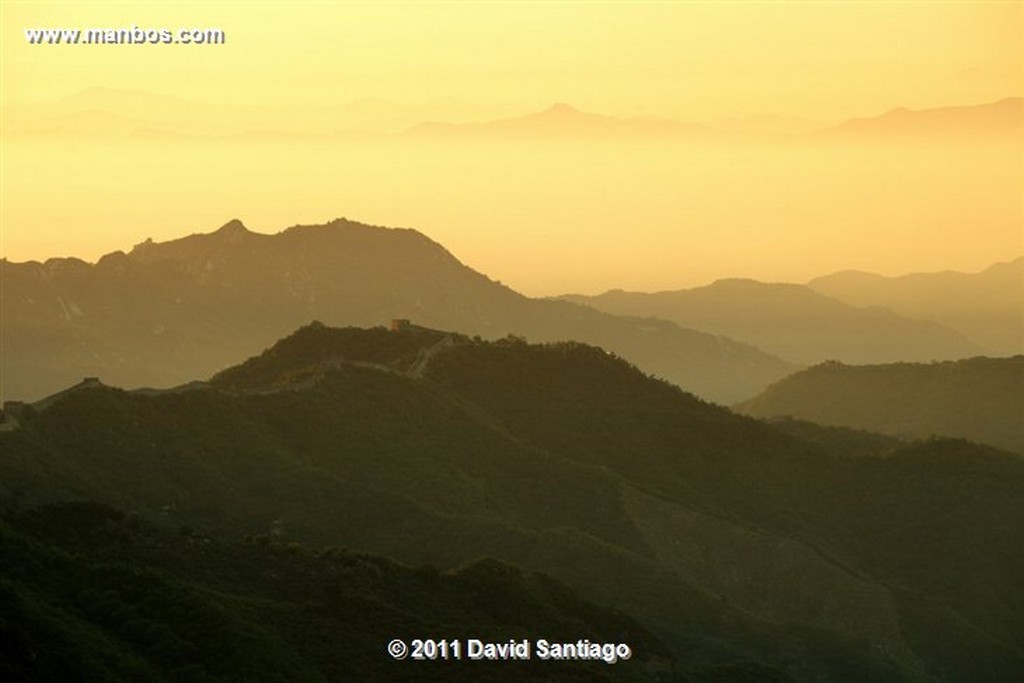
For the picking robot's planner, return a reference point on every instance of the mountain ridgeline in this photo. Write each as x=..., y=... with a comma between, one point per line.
x=981, y=399
x=166, y=313
x=793, y=321
x=745, y=551
x=1001, y=120
x=987, y=307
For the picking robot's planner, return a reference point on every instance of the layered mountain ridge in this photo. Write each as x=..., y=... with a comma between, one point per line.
x=793, y=321
x=986, y=306
x=168, y=312
x=732, y=540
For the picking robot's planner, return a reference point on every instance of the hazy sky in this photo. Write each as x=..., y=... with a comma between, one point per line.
x=826, y=60
x=648, y=218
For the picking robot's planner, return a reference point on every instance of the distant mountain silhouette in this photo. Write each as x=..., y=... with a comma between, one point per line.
x=981, y=399
x=732, y=541
x=996, y=118
x=987, y=307
x=792, y=321
x=112, y=113
x=560, y=120
x=165, y=313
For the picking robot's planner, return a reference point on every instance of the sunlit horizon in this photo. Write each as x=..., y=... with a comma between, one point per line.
x=303, y=116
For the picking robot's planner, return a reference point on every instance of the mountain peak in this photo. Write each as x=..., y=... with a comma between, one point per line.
x=232, y=227
x=232, y=232
x=561, y=109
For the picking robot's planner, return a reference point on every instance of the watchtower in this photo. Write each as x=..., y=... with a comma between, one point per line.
x=13, y=410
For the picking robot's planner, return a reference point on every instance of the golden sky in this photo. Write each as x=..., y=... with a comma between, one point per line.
x=498, y=209
x=825, y=60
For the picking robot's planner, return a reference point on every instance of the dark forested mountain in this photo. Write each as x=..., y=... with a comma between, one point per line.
x=793, y=322
x=981, y=399
x=90, y=593
x=987, y=307
x=166, y=313
x=736, y=543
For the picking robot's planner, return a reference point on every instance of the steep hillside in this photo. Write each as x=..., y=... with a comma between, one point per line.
x=981, y=399
x=733, y=541
x=793, y=322
x=166, y=313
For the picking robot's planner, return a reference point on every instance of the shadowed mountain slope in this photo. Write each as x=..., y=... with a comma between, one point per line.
x=90, y=593
x=981, y=399
x=731, y=540
x=166, y=313
x=792, y=321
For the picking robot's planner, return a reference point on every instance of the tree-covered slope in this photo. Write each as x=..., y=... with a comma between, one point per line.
x=730, y=539
x=90, y=593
